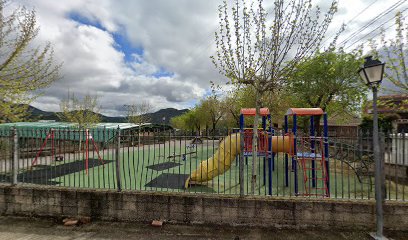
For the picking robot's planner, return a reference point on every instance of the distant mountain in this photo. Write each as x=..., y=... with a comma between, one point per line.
x=164, y=115
x=159, y=117
x=38, y=114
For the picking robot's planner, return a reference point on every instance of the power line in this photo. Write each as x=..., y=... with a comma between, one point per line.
x=392, y=18
x=358, y=14
x=327, y=39
x=372, y=36
x=371, y=22
x=362, y=11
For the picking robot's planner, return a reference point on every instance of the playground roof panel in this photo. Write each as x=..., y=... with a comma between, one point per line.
x=101, y=132
x=305, y=111
x=59, y=125
x=252, y=111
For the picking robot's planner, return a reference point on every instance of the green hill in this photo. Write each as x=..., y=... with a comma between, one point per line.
x=159, y=117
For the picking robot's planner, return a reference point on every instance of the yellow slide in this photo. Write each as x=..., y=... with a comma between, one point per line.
x=228, y=150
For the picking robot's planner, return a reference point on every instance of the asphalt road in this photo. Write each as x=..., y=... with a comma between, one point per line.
x=44, y=229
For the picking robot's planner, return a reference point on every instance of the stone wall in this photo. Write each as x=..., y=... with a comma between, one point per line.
x=197, y=209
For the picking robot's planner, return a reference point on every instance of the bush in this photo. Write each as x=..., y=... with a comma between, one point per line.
x=384, y=122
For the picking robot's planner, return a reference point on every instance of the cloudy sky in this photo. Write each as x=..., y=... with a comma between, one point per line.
x=127, y=51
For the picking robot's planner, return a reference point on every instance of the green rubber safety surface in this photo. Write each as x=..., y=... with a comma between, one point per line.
x=148, y=168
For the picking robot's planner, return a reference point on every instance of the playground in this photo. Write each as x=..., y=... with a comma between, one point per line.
x=153, y=168
x=287, y=162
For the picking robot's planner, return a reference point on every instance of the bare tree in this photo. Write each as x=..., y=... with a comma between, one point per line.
x=261, y=48
x=137, y=113
x=24, y=67
x=82, y=112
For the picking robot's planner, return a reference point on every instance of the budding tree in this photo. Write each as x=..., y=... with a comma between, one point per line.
x=261, y=47
x=24, y=67
x=82, y=112
x=137, y=113
x=394, y=52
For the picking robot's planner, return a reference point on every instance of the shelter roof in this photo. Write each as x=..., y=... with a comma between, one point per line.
x=252, y=111
x=305, y=111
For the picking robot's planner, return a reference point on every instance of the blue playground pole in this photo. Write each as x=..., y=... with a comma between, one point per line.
x=241, y=122
x=264, y=123
x=286, y=156
x=264, y=158
x=294, y=164
x=326, y=150
x=312, y=150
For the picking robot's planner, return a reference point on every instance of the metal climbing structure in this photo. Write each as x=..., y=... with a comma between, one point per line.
x=310, y=153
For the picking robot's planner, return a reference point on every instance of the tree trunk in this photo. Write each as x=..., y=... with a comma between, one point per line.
x=255, y=142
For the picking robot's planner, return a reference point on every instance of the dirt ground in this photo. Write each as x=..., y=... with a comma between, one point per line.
x=44, y=229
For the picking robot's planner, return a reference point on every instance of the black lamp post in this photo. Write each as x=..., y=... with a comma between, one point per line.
x=372, y=74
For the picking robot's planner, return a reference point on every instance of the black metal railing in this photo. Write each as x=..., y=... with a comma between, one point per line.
x=176, y=161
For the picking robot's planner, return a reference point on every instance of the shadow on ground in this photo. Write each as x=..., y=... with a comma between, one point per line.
x=42, y=174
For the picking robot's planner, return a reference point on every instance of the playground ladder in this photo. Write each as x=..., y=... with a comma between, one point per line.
x=314, y=168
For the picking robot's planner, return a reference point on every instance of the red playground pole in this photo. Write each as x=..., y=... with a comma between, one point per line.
x=51, y=134
x=97, y=151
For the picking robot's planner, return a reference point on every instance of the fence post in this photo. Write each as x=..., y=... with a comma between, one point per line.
x=15, y=157
x=382, y=160
x=117, y=160
x=241, y=160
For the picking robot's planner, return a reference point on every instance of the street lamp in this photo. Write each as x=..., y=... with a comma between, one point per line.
x=372, y=74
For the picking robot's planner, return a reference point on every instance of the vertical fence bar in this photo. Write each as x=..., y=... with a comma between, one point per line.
x=270, y=156
x=124, y=169
x=15, y=156
x=369, y=150
x=312, y=150
x=403, y=162
x=395, y=165
x=294, y=158
x=326, y=151
x=382, y=151
x=286, y=155
x=117, y=160
x=241, y=158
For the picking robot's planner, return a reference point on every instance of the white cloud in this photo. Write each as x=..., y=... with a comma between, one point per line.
x=93, y=63
x=176, y=36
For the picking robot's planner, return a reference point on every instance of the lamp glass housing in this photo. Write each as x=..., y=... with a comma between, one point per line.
x=372, y=72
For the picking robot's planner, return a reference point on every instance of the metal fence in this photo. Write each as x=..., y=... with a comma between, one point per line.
x=218, y=163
